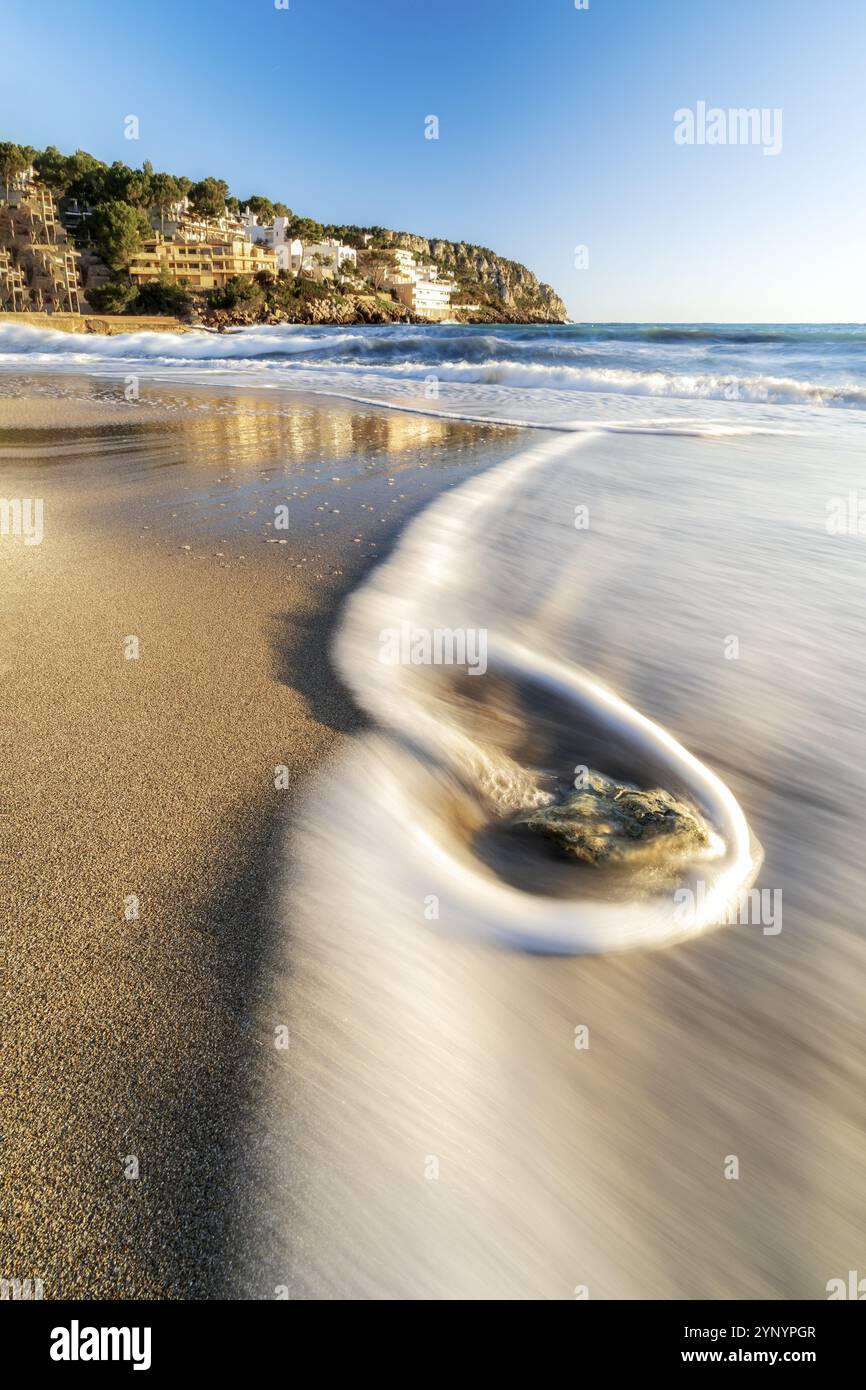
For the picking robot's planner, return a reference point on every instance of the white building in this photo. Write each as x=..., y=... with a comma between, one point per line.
x=432, y=295
x=404, y=265
x=320, y=260
x=420, y=287
x=273, y=234
x=325, y=259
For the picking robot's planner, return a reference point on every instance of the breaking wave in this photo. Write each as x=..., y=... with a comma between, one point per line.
x=772, y=366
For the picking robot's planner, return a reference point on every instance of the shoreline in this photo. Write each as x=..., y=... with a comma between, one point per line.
x=108, y=325
x=111, y=325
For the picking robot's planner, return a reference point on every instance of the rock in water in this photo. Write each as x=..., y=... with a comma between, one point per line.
x=609, y=822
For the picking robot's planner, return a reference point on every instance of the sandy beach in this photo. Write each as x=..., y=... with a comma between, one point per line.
x=154, y=777
x=225, y=828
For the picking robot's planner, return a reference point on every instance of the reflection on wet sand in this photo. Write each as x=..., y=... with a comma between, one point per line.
x=217, y=463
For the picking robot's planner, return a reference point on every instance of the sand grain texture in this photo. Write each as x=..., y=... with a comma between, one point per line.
x=155, y=777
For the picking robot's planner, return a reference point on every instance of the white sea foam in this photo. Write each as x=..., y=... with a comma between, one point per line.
x=393, y=792
x=545, y=377
x=444, y=1137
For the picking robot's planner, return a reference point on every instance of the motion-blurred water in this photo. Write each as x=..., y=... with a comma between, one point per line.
x=461, y=1135
x=447, y=1128
x=420, y=1052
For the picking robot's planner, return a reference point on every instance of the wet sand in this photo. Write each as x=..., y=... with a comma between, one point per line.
x=146, y=785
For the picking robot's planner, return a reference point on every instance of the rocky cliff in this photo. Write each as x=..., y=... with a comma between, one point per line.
x=506, y=289
x=499, y=290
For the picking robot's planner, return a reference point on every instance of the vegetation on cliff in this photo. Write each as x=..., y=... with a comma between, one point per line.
x=498, y=289
x=118, y=199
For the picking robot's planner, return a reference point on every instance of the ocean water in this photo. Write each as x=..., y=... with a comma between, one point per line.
x=618, y=375
x=499, y=1085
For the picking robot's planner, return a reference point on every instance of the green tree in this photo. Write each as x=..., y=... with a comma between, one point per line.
x=262, y=207
x=208, y=198
x=14, y=159
x=118, y=232
x=114, y=297
x=54, y=169
x=238, y=290
x=282, y=210
x=139, y=190
x=88, y=179
x=164, y=193
x=125, y=185
x=162, y=296
x=116, y=182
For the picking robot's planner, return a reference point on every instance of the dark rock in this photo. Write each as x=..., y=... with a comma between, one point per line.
x=610, y=822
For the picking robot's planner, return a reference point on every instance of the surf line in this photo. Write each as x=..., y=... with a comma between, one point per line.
x=433, y=553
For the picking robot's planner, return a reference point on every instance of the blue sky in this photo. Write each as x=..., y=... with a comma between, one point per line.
x=556, y=130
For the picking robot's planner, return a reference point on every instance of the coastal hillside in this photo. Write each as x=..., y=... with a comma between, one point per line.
x=81, y=236
x=490, y=288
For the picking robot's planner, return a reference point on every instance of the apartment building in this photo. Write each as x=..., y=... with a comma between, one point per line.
x=39, y=268
x=321, y=260
x=14, y=290
x=325, y=259
x=180, y=221
x=198, y=264
x=430, y=295
x=275, y=235
x=420, y=287
x=404, y=262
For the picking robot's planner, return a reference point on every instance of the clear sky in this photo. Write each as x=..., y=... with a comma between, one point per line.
x=556, y=130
